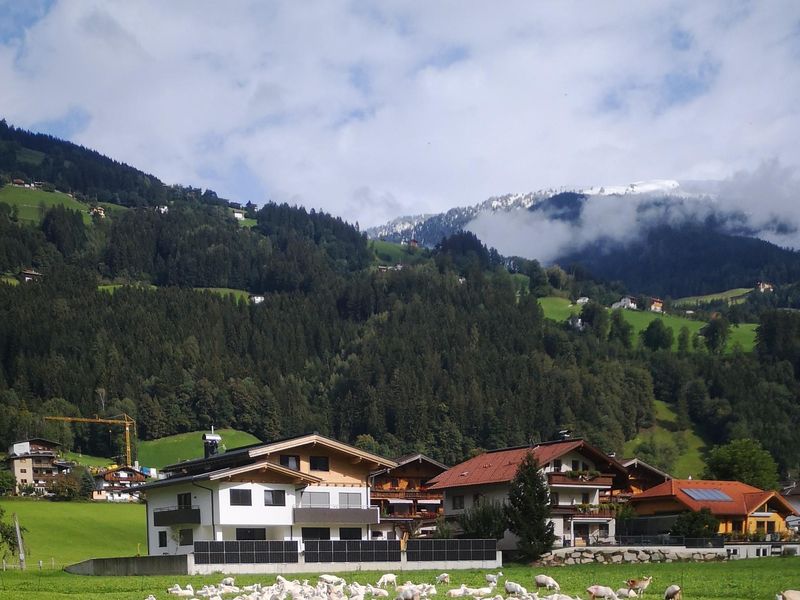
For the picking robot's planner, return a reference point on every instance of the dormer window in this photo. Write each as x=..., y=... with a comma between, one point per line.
x=290, y=461
x=319, y=463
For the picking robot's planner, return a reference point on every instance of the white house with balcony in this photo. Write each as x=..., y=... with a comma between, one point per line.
x=304, y=488
x=580, y=479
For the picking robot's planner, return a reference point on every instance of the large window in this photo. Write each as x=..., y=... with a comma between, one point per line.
x=557, y=464
x=247, y=533
x=349, y=500
x=319, y=463
x=186, y=537
x=185, y=500
x=290, y=461
x=349, y=533
x=316, y=533
x=241, y=498
x=274, y=498
x=458, y=502
x=317, y=499
x=162, y=539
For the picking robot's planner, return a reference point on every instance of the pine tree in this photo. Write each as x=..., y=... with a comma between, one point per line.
x=528, y=510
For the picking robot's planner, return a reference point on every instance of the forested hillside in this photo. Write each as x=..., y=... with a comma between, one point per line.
x=446, y=357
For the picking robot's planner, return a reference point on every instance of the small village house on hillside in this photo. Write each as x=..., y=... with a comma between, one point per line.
x=114, y=485
x=36, y=462
x=626, y=302
x=656, y=305
x=641, y=476
x=304, y=488
x=741, y=508
x=580, y=478
x=402, y=494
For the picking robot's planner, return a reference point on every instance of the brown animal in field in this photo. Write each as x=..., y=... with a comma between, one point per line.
x=639, y=585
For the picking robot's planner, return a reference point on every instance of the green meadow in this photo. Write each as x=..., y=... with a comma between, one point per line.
x=184, y=446
x=31, y=203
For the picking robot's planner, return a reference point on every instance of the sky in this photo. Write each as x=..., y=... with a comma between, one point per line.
x=372, y=110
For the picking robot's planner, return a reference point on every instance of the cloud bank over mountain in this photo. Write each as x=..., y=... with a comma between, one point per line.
x=372, y=111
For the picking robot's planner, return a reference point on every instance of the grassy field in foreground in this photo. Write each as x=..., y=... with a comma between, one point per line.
x=757, y=579
x=73, y=531
x=184, y=446
x=559, y=309
x=735, y=295
x=28, y=200
x=689, y=462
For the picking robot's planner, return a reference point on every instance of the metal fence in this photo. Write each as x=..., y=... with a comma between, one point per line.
x=321, y=551
x=234, y=552
x=441, y=550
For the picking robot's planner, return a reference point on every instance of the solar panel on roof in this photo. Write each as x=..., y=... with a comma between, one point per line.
x=708, y=494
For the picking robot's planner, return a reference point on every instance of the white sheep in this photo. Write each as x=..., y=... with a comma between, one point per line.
x=515, y=589
x=457, y=592
x=386, y=579
x=673, y=592
x=377, y=592
x=788, y=595
x=331, y=579
x=601, y=591
x=547, y=582
x=492, y=577
x=227, y=581
x=626, y=593
x=185, y=593
x=443, y=578
x=558, y=596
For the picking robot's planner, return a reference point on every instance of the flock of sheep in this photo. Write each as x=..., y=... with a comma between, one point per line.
x=331, y=587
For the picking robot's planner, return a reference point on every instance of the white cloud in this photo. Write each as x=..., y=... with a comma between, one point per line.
x=374, y=110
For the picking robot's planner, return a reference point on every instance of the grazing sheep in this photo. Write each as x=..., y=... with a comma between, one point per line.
x=186, y=593
x=639, y=585
x=377, y=592
x=515, y=589
x=492, y=577
x=150, y=597
x=547, y=582
x=601, y=591
x=626, y=593
x=386, y=579
x=558, y=596
x=788, y=595
x=443, y=578
x=457, y=592
x=227, y=581
x=673, y=592
x=331, y=579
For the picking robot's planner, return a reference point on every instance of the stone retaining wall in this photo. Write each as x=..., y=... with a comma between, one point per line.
x=638, y=554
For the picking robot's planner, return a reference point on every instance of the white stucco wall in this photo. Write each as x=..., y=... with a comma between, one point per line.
x=257, y=513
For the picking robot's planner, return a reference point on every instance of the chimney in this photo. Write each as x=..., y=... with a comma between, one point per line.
x=211, y=443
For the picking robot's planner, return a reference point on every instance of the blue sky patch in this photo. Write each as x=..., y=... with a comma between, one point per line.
x=16, y=17
x=74, y=121
x=679, y=87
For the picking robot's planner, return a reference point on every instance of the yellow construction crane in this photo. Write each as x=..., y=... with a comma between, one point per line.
x=122, y=419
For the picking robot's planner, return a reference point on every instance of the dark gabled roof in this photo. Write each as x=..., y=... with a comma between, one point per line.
x=409, y=458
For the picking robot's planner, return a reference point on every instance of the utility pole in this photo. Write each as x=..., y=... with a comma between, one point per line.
x=19, y=544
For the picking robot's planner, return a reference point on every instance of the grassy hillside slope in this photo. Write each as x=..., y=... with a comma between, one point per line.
x=73, y=531
x=735, y=295
x=664, y=433
x=185, y=446
x=29, y=200
x=559, y=309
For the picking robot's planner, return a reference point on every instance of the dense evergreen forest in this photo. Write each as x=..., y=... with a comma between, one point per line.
x=447, y=357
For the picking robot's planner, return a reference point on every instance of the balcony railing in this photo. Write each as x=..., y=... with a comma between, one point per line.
x=579, y=481
x=336, y=515
x=405, y=494
x=176, y=515
x=582, y=510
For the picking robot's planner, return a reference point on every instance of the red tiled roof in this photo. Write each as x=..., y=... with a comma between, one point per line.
x=500, y=466
x=744, y=498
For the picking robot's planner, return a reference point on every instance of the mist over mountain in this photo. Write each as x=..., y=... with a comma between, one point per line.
x=644, y=226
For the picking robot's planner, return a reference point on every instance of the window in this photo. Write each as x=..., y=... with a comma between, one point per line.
x=290, y=461
x=770, y=526
x=576, y=466
x=585, y=498
x=241, y=498
x=349, y=533
x=319, y=463
x=349, y=500
x=245, y=533
x=162, y=539
x=394, y=482
x=557, y=464
x=274, y=498
x=186, y=537
x=458, y=502
x=185, y=500
x=23, y=470
x=553, y=497
x=317, y=499
x=316, y=533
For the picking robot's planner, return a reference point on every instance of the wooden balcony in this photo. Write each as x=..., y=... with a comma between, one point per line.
x=376, y=494
x=584, y=481
x=578, y=511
